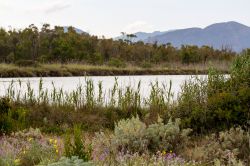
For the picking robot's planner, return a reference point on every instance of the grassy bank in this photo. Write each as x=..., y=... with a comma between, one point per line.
x=57, y=70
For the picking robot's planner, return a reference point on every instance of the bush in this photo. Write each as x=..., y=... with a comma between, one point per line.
x=130, y=135
x=240, y=75
x=217, y=103
x=237, y=141
x=168, y=137
x=192, y=105
x=11, y=119
x=27, y=147
x=96, y=59
x=234, y=142
x=114, y=62
x=77, y=147
x=134, y=136
x=159, y=159
x=146, y=65
x=10, y=57
x=73, y=161
x=102, y=147
x=6, y=125
x=4, y=105
x=36, y=153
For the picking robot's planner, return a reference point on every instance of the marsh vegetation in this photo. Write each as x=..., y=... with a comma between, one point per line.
x=208, y=123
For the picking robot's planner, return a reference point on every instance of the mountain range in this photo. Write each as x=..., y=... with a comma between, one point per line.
x=233, y=35
x=79, y=31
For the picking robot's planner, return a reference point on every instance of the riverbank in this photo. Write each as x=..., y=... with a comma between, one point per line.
x=58, y=127
x=57, y=70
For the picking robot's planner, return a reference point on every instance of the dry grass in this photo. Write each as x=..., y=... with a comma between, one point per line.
x=56, y=69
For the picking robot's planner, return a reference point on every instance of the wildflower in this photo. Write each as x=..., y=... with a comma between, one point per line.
x=56, y=150
x=24, y=152
x=17, y=161
x=30, y=139
x=55, y=141
x=51, y=140
x=55, y=146
x=171, y=151
x=163, y=152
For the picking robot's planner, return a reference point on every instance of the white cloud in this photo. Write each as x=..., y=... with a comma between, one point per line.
x=138, y=26
x=50, y=7
x=58, y=6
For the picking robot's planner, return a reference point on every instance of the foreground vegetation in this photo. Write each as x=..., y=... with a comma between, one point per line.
x=208, y=124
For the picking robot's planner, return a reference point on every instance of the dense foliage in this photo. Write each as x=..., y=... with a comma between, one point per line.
x=31, y=45
x=218, y=103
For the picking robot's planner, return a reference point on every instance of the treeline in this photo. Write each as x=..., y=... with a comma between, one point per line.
x=50, y=45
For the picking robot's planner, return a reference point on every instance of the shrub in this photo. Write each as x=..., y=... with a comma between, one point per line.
x=192, y=105
x=232, y=162
x=134, y=136
x=217, y=103
x=234, y=143
x=36, y=153
x=168, y=137
x=11, y=119
x=96, y=59
x=114, y=62
x=10, y=57
x=146, y=65
x=73, y=161
x=240, y=75
x=6, y=125
x=4, y=105
x=27, y=147
x=237, y=141
x=102, y=147
x=159, y=159
x=77, y=147
x=129, y=135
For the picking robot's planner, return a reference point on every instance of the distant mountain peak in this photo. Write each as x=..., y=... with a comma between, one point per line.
x=79, y=31
x=232, y=34
x=229, y=24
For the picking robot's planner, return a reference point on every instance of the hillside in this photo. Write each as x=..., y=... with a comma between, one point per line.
x=231, y=35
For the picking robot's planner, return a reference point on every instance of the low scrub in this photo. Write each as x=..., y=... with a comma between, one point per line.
x=227, y=147
x=132, y=135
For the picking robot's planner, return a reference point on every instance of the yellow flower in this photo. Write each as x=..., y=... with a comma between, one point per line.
x=50, y=140
x=24, y=152
x=56, y=150
x=17, y=161
x=30, y=139
x=163, y=152
x=55, y=146
x=55, y=141
x=170, y=151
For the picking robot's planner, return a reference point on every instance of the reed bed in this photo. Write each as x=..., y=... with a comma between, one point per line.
x=89, y=96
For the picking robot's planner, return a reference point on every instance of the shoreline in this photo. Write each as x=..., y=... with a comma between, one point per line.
x=9, y=71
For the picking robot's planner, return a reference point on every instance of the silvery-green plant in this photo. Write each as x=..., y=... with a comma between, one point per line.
x=72, y=161
x=132, y=135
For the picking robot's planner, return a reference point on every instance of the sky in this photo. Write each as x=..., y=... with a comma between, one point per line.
x=111, y=17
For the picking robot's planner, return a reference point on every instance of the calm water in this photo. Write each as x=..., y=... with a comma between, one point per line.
x=70, y=83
